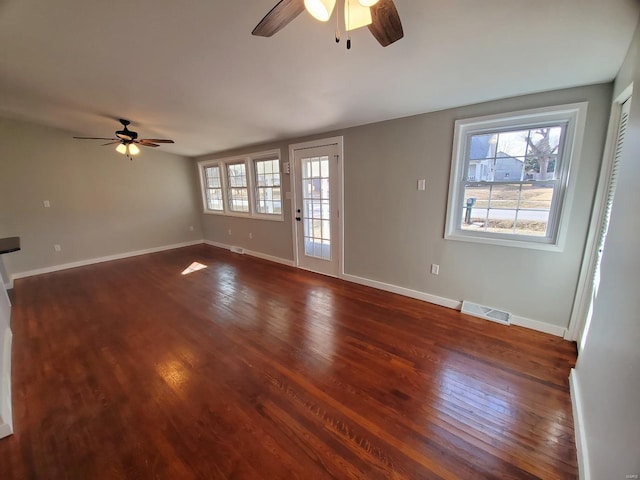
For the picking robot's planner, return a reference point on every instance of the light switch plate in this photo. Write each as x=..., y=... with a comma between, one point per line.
x=422, y=184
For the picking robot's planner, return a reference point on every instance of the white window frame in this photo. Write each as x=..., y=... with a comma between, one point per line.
x=206, y=188
x=574, y=115
x=247, y=187
x=249, y=162
x=265, y=157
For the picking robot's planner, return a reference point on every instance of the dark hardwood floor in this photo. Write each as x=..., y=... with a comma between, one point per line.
x=248, y=369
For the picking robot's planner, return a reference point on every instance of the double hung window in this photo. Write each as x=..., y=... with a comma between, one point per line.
x=267, y=186
x=238, y=187
x=243, y=186
x=510, y=181
x=213, y=188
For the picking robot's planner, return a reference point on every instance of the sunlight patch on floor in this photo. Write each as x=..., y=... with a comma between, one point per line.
x=194, y=267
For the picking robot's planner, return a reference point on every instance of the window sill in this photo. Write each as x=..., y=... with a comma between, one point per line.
x=255, y=216
x=521, y=242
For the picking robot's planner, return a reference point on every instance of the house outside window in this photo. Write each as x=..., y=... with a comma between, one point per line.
x=510, y=182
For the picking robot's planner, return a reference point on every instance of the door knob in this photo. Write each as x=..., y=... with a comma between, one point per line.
x=297, y=219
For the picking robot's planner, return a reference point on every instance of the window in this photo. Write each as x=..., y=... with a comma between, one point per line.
x=267, y=184
x=510, y=177
x=317, y=206
x=238, y=187
x=213, y=188
x=243, y=186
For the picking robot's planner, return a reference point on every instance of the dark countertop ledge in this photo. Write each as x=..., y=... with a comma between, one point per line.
x=9, y=244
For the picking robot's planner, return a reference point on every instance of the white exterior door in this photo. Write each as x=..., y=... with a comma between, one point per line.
x=317, y=173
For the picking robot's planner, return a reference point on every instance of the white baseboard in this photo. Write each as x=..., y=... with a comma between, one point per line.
x=449, y=303
x=578, y=425
x=407, y=292
x=538, y=326
x=253, y=253
x=91, y=261
x=6, y=415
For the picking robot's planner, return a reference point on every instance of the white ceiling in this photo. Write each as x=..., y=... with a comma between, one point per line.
x=191, y=70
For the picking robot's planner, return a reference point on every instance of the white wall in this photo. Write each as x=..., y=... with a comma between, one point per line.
x=607, y=373
x=102, y=203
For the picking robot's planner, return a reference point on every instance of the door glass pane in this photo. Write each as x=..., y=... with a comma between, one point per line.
x=316, y=207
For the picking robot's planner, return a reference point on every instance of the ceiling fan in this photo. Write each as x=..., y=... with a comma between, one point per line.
x=381, y=16
x=127, y=140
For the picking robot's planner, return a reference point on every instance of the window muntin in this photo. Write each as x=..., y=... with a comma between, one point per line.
x=316, y=203
x=213, y=188
x=510, y=182
x=238, y=188
x=267, y=186
x=511, y=185
x=246, y=186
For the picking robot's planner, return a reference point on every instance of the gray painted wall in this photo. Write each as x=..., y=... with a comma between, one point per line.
x=393, y=232
x=101, y=202
x=270, y=237
x=608, y=369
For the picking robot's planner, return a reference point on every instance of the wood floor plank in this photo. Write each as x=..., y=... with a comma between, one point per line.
x=249, y=369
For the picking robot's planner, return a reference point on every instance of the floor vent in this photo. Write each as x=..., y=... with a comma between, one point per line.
x=487, y=313
x=239, y=250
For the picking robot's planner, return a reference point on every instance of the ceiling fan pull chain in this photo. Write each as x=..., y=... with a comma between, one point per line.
x=337, y=25
x=348, y=19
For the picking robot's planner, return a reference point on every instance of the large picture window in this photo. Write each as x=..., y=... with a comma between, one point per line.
x=510, y=181
x=249, y=185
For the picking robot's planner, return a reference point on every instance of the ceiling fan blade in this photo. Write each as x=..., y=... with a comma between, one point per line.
x=94, y=138
x=146, y=143
x=279, y=17
x=386, y=26
x=110, y=143
x=156, y=140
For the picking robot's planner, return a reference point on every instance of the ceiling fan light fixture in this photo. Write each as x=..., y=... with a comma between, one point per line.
x=367, y=3
x=133, y=149
x=355, y=15
x=121, y=148
x=320, y=9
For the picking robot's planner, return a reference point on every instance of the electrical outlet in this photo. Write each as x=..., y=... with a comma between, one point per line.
x=250, y=236
x=229, y=231
x=57, y=248
x=46, y=203
x=435, y=268
x=191, y=228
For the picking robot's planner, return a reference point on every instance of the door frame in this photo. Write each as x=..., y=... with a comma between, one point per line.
x=577, y=329
x=339, y=141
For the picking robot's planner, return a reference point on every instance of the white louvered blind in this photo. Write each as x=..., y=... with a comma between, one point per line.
x=611, y=191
